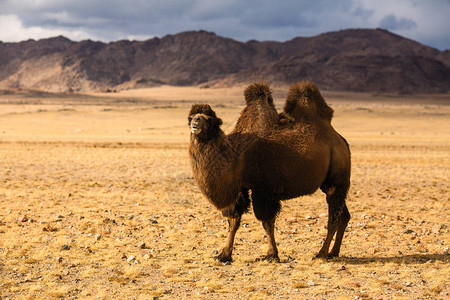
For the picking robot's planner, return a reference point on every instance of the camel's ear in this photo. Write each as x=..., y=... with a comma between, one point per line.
x=217, y=122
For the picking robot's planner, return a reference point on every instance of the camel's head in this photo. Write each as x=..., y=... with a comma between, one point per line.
x=258, y=91
x=203, y=122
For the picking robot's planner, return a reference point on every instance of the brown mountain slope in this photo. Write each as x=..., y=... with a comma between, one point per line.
x=357, y=60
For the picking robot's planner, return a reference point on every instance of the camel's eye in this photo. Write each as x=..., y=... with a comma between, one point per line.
x=190, y=119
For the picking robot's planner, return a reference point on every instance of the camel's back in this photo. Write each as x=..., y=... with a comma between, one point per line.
x=289, y=162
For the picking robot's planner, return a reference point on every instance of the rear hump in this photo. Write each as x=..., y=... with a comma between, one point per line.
x=304, y=98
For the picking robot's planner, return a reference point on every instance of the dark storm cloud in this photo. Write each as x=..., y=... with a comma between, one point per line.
x=391, y=22
x=242, y=20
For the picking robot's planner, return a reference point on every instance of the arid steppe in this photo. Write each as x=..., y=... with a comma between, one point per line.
x=97, y=201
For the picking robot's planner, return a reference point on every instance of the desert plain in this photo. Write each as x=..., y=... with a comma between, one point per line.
x=97, y=201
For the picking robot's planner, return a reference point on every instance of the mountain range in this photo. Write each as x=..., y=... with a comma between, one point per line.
x=362, y=60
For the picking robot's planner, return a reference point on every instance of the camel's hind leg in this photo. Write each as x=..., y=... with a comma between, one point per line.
x=234, y=215
x=336, y=187
x=343, y=221
x=338, y=217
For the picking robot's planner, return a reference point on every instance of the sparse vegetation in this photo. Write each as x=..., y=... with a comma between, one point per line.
x=83, y=188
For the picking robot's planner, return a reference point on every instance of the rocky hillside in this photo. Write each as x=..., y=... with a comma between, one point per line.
x=371, y=60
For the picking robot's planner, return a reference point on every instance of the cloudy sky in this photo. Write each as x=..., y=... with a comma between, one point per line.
x=426, y=21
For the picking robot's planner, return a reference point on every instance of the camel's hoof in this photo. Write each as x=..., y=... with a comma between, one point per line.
x=321, y=256
x=333, y=255
x=223, y=258
x=325, y=256
x=270, y=258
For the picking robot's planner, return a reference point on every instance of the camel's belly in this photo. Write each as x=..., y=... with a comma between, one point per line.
x=287, y=181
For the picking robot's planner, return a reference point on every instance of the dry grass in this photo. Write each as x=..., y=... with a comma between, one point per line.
x=97, y=201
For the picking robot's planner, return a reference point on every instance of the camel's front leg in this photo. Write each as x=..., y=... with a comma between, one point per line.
x=266, y=209
x=234, y=215
x=233, y=223
x=272, y=253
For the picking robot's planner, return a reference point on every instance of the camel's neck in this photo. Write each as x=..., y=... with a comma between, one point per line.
x=217, y=170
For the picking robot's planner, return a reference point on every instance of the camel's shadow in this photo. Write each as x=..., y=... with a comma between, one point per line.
x=401, y=259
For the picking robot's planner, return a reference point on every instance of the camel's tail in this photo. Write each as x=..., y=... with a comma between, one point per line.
x=304, y=97
x=258, y=90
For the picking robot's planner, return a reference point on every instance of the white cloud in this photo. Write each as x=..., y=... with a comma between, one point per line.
x=420, y=20
x=14, y=31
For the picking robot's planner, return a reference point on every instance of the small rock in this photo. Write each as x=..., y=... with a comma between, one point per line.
x=22, y=219
x=354, y=284
x=408, y=284
x=148, y=256
x=343, y=268
x=309, y=218
x=437, y=228
x=65, y=247
x=131, y=258
x=142, y=245
x=408, y=231
x=98, y=236
x=311, y=283
x=49, y=228
x=59, y=259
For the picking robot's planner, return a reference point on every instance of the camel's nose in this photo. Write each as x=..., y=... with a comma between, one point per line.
x=196, y=120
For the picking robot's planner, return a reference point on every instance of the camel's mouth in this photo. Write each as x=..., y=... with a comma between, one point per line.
x=195, y=128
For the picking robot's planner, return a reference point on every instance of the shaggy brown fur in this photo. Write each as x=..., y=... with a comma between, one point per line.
x=277, y=162
x=213, y=158
x=305, y=101
x=260, y=115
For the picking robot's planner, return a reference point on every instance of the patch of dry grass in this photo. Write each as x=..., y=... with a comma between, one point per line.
x=98, y=201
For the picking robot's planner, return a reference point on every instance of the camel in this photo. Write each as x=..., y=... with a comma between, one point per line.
x=277, y=161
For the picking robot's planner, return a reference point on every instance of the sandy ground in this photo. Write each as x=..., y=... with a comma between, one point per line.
x=97, y=200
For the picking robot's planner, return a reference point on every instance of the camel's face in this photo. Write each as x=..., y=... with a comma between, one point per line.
x=199, y=123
